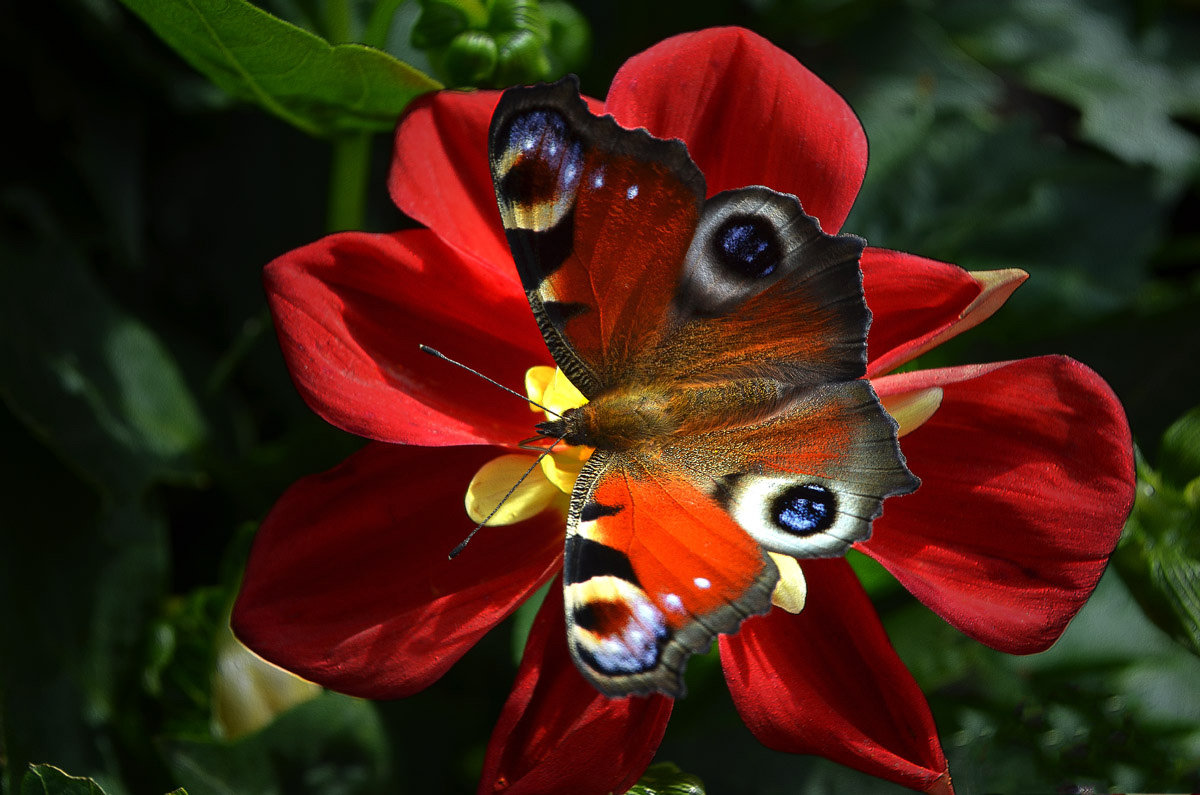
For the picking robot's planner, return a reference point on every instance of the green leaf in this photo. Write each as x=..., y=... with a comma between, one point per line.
x=94, y=382
x=318, y=87
x=665, y=778
x=331, y=745
x=1179, y=459
x=1159, y=554
x=1128, y=88
x=49, y=780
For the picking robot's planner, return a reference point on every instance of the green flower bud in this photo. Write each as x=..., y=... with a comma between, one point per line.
x=500, y=42
x=510, y=16
x=570, y=37
x=522, y=59
x=471, y=59
x=441, y=20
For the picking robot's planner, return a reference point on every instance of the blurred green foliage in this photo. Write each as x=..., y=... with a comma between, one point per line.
x=148, y=421
x=1159, y=554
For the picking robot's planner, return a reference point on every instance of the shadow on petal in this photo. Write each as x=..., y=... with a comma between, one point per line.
x=349, y=585
x=827, y=682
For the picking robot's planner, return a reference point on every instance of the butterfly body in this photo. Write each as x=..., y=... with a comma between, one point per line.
x=721, y=344
x=646, y=417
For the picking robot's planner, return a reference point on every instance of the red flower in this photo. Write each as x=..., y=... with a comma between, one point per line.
x=1026, y=466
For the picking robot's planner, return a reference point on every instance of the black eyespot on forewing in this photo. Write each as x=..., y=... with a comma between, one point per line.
x=560, y=312
x=804, y=510
x=596, y=510
x=747, y=245
x=586, y=559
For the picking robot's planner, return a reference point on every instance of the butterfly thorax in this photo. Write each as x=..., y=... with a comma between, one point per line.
x=647, y=415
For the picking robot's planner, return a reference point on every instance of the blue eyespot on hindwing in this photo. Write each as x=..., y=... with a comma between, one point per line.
x=747, y=245
x=804, y=509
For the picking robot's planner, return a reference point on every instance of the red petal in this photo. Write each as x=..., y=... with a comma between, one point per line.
x=558, y=733
x=440, y=174
x=918, y=303
x=750, y=115
x=348, y=583
x=827, y=681
x=1027, y=478
x=350, y=310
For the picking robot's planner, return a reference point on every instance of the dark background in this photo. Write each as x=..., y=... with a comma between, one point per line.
x=148, y=422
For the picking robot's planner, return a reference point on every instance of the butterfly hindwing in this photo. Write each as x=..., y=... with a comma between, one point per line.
x=654, y=570
x=808, y=481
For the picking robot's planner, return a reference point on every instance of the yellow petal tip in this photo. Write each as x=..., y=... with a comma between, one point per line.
x=792, y=589
x=912, y=409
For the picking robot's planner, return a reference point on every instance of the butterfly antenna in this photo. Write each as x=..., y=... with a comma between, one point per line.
x=445, y=358
x=463, y=544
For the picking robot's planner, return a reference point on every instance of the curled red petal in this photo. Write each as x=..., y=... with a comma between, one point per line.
x=350, y=311
x=559, y=734
x=1026, y=481
x=750, y=114
x=440, y=174
x=349, y=585
x=826, y=681
x=918, y=303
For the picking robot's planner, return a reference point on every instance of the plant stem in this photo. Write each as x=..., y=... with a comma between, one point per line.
x=380, y=23
x=348, y=172
x=351, y=160
x=337, y=21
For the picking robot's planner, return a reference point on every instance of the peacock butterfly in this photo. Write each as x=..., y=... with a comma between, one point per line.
x=721, y=344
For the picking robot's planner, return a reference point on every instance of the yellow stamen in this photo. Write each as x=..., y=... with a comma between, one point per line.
x=548, y=485
x=537, y=381
x=791, y=590
x=910, y=410
x=559, y=394
x=562, y=468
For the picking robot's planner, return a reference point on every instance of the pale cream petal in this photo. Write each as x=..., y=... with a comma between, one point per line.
x=496, y=478
x=561, y=394
x=248, y=692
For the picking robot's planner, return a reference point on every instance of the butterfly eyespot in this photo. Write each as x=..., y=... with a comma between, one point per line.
x=543, y=163
x=747, y=245
x=805, y=509
x=620, y=630
x=534, y=128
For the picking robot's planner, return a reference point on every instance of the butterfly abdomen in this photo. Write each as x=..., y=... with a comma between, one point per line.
x=638, y=417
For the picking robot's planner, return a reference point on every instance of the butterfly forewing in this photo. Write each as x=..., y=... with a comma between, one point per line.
x=599, y=219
